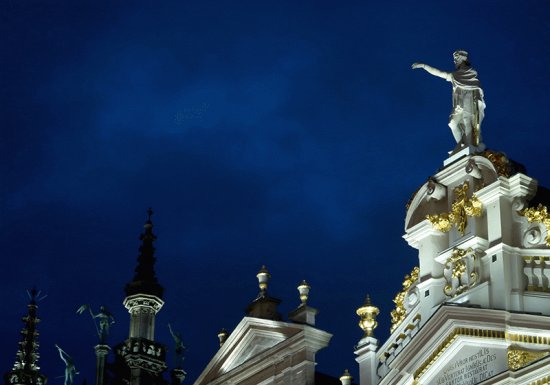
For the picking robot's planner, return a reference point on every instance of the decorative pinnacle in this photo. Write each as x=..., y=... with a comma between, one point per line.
x=263, y=277
x=304, y=289
x=368, y=313
x=25, y=369
x=346, y=378
x=145, y=279
x=222, y=336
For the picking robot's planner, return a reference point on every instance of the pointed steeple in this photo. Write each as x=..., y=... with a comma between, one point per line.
x=140, y=353
x=145, y=279
x=25, y=369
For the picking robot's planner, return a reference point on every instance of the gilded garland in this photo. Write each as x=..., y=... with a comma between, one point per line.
x=400, y=312
x=462, y=208
x=519, y=358
x=539, y=215
x=500, y=162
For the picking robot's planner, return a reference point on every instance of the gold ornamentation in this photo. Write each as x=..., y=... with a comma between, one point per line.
x=346, y=378
x=538, y=215
x=368, y=313
x=304, y=289
x=528, y=339
x=462, y=208
x=459, y=271
x=500, y=162
x=541, y=381
x=399, y=313
x=519, y=358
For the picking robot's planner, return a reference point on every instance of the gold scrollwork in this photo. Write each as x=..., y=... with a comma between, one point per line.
x=461, y=208
x=538, y=215
x=399, y=313
x=500, y=162
x=519, y=358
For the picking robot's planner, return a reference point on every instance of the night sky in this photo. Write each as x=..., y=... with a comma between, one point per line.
x=290, y=134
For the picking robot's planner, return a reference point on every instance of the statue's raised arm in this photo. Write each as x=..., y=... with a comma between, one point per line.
x=433, y=71
x=468, y=103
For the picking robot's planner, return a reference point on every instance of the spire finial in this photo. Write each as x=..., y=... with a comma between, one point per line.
x=25, y=369
x=222, y=336
x=368, y=313
x=264, y=306
x=304, y=289
x=263, y=278
x=145, y=279
x=346, y=378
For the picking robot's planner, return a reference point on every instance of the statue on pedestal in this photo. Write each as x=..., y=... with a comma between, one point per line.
x=468, y=104
x=105, y=319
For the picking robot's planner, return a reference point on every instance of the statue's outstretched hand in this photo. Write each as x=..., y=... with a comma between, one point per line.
x=417, y=65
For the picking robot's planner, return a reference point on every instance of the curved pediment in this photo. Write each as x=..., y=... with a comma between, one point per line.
x=435, y=195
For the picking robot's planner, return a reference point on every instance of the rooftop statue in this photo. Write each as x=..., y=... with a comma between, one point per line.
x=179, y=347
x=70, y=369
x=468, y=104
x=105, y=320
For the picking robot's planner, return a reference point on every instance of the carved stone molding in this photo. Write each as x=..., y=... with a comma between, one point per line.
x=143, y=302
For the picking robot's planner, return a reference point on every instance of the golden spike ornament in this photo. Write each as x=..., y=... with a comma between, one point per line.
x=538, y=215
x=461, y=208
x=400, y=312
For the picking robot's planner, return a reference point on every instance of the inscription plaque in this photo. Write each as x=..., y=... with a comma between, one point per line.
x=472, y=365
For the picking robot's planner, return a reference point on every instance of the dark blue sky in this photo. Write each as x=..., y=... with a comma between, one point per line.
x=290, y=134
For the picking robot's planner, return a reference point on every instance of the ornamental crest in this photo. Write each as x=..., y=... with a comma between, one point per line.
x=538, y=215
x=461, y=208
x=460, y=272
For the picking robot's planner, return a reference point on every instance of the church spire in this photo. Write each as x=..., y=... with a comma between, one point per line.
x=142, y=355
x=25, y=369
x=145, y=279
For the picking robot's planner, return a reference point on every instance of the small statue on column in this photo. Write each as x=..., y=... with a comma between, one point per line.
x=177, y=374
x=70, y=368
x=105, y=320
x=179, y=347
x=468, y=103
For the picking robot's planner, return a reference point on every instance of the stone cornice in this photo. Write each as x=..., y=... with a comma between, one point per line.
x=451, y=322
